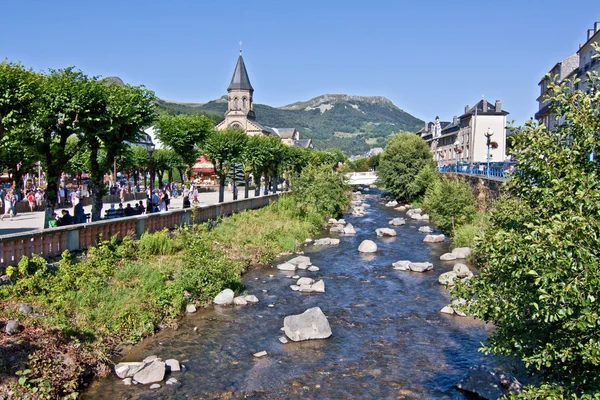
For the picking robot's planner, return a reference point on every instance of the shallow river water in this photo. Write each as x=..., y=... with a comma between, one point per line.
x=389, y=339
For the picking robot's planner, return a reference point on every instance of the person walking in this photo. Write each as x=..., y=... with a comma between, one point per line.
x=31, y=201
x=8, y=206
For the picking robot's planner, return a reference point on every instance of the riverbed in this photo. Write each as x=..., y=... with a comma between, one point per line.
x=389, y=338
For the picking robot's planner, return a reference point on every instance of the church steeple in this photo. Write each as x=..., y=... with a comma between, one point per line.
x=240, y=80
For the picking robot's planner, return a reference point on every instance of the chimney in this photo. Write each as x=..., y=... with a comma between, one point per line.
x=425, y=125
x=590, y=33
x=498, y=106
x=466, y=108
x=454, y=120
x=597, y=27
x=484, y=106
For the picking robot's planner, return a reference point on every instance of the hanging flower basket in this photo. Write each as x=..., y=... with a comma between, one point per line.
x=459, y=151
x=494, y=145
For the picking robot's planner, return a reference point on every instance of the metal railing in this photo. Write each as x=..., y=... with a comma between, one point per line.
x=497, y=171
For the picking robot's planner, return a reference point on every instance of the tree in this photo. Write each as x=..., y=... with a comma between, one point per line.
x=255, y=156
x=223, y=149
x=183, y=133
x=323, y=190
x=294, y=160
x=450, y=203
x=540, y=260
x=274, y=150
x=404, y=157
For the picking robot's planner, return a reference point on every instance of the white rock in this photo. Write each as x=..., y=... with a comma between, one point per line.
x=271, y=305
x=425, y=229
x=434, y=238
x=260, y=354
x=447, y=278
x=392, y=203
x=447, y=257
x=224, y=298
x=337, y=229
x=401, y=209
x=367, y=246
x=397, y=222
x=457, y=303
x=240, y=301
x=283, y=340
x=303, y=266
x=447, y=310
x=462, y=252
x=190, y=308
x=311, y=324
x=173, y=365
x=286, y=266
x=461, y=270
x=332, y=221
x=171, y=381
x=349, y=229
x=318, y=286
x=295, y=288
x=127, y=381
x=251, y=298
x=128, y=369
x=155, y=386
x=327, y=242
x=420, y=266
x=402, y=265
x=305, y=281
x=308, y=241
x=152, y=372
x=313, y=268
x=385, y=232
x=424, y=217
x=341, y=221
x=296, y=277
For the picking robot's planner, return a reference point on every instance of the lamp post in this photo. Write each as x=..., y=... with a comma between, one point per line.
x=488, y=143
x=456, y=148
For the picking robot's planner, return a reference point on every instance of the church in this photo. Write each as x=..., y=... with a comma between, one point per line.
x=240, y=111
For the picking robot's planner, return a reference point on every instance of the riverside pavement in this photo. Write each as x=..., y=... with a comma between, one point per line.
x=32, y=221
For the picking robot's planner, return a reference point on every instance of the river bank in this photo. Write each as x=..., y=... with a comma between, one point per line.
x=389, y=338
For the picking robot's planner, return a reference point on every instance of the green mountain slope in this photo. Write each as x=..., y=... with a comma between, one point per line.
x=350, y=123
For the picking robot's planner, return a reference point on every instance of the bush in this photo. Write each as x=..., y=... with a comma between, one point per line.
x=465, y=235
x=158, y=243
x=400, y=164
x=450, y=203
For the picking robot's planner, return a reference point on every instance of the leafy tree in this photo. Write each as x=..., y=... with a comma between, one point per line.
x=255, y=156
x=323, y=190
x=540, y=260
x=183, y=134
x=272, y=162
x=404, y=157
x=294, y=160
x=374, y=162
x=449, y=202
x=224, y=148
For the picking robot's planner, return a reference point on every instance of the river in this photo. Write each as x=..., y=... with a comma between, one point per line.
x=389, y=338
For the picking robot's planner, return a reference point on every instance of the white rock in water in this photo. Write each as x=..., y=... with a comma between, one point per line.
x=311, y=324
x=327, y=242
x=332, y=221
x=318, y=286
x=300, y=260
x=296, y=277
x=447, y=257
x=434, y=238
x=457, y=303
x=155, y=386
x=173, y=365
x=447, y=278
x=295, y=288
x=461, y=270
x=447, y=310
x=367, y=246
x=303, y=266
x=397, y=222
x=260, y=354
x=127, y=381
x=171, y=381
x=401, y=209
x=304, y=281
x=425, y=229
x=337, y=229
x=251, y=298
x=341, y=221
x=392, y=203
x=128, y=369
x=313, y=268
x=424, y=217
x=286, y=267
x=462, y=252
x=349, y=229
x=283, y=340
x=420, y=267
x=190, y=308
x=152, y=372
x=402, y=265
x=224, y=298
x=308, y=241
x=385, y=232
x=240, y=301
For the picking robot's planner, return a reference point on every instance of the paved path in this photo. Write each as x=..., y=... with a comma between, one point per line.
x=24, y=222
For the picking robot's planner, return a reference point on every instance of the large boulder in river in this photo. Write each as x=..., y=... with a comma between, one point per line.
x=224, y=298
x=488, y=384
x=392, y=203
x=337, y=228
x=299, y=260
x=447, y=257
x=402, y=265
x=327, y=242
x=314, y=287
x=420, y=266
x=461, y=252
x=152, y=372
x=425, y=229
x=349, y=229
x=462, y=271
x=397, y=222
x=286, y=266
x=385, y=232
x=311, y=324
x=447, y=278
x=332, y=221
x=367, y=246
x=128, y=369
x=434, y=238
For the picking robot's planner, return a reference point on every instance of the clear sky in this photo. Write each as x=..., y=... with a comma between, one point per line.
x=429, y=57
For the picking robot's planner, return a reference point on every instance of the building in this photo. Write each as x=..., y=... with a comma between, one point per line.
x=586, y=52
x=464, y=139
x=240, y=111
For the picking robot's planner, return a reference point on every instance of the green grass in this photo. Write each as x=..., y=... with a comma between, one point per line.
x=465, y=235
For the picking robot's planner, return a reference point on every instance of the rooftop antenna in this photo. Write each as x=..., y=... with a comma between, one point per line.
x=240, y=47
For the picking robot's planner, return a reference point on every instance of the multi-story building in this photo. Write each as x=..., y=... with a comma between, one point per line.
x=586, y=52
x=464, y=139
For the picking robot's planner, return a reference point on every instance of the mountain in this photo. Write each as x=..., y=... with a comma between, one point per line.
x=350, y=123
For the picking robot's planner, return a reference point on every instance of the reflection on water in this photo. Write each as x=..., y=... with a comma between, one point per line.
x=389, y=339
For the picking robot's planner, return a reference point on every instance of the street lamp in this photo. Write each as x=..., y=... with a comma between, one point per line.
x=488, y=143
x=456, y=149
x=145, y=140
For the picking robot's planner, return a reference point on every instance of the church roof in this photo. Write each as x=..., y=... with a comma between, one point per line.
x=240, y=78
x=286, y=133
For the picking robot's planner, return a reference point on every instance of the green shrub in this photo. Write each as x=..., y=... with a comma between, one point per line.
x=465, y=235
x=158, y=243
x=450, y=203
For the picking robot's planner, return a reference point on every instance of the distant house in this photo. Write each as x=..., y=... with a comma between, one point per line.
x=374, y=151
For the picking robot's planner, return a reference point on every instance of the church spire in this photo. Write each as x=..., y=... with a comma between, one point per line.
x=240, y=80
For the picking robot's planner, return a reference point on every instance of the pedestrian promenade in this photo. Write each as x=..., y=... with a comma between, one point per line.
x=31, y=221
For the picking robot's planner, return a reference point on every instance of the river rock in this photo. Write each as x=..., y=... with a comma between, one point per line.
x=456, y=304
x=482, y=382
x=173, y=365
x=462, y=252
x=155, y=386
x=171, y=381
x=327, y=242
x=397, y=222
x=447, y=257
x=260, y=354
x=149, y=359
x=462, y=271
x=424, y=217
x=300, y=260
x=367, y=246
x=349, y=229
x=392, y=203
x=308, y=241
x=286, y=266
x=313, y=268
x=434, y=238
x=311, y=324
x=25, y=309
x=332, y=221
x=250, y=298
x=420, y=266
x=385, y=232
x=128, y=369
x=336, y=229
x=317, y=287
x=127, y=381
x=240, y=301
x=416, y=210
x=303, y=266
x=224, y=298
x=447, y=310
x=295, y=288
x=401, y=209
x=425, y=229
x=13, y=327
x=152, y=372
x=402, y=265
x=341, y=221
x=447, y=278
x=190, y=308
x=283, y=340
x=304, y=281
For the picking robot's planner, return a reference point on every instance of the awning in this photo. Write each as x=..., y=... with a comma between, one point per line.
x=203, y=166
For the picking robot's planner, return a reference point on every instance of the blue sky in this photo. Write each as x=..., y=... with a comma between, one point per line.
x=429, y=57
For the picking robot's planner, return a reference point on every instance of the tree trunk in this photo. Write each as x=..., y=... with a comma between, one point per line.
x=222, y=188
x=247, y=187
x=233, y=188
x=96, y=183
x=183, y=173
x=266, y=188
x=275, y=182
x=170, y=172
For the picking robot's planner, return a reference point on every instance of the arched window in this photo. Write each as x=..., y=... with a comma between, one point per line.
x=244, y=103
x=235, y=104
